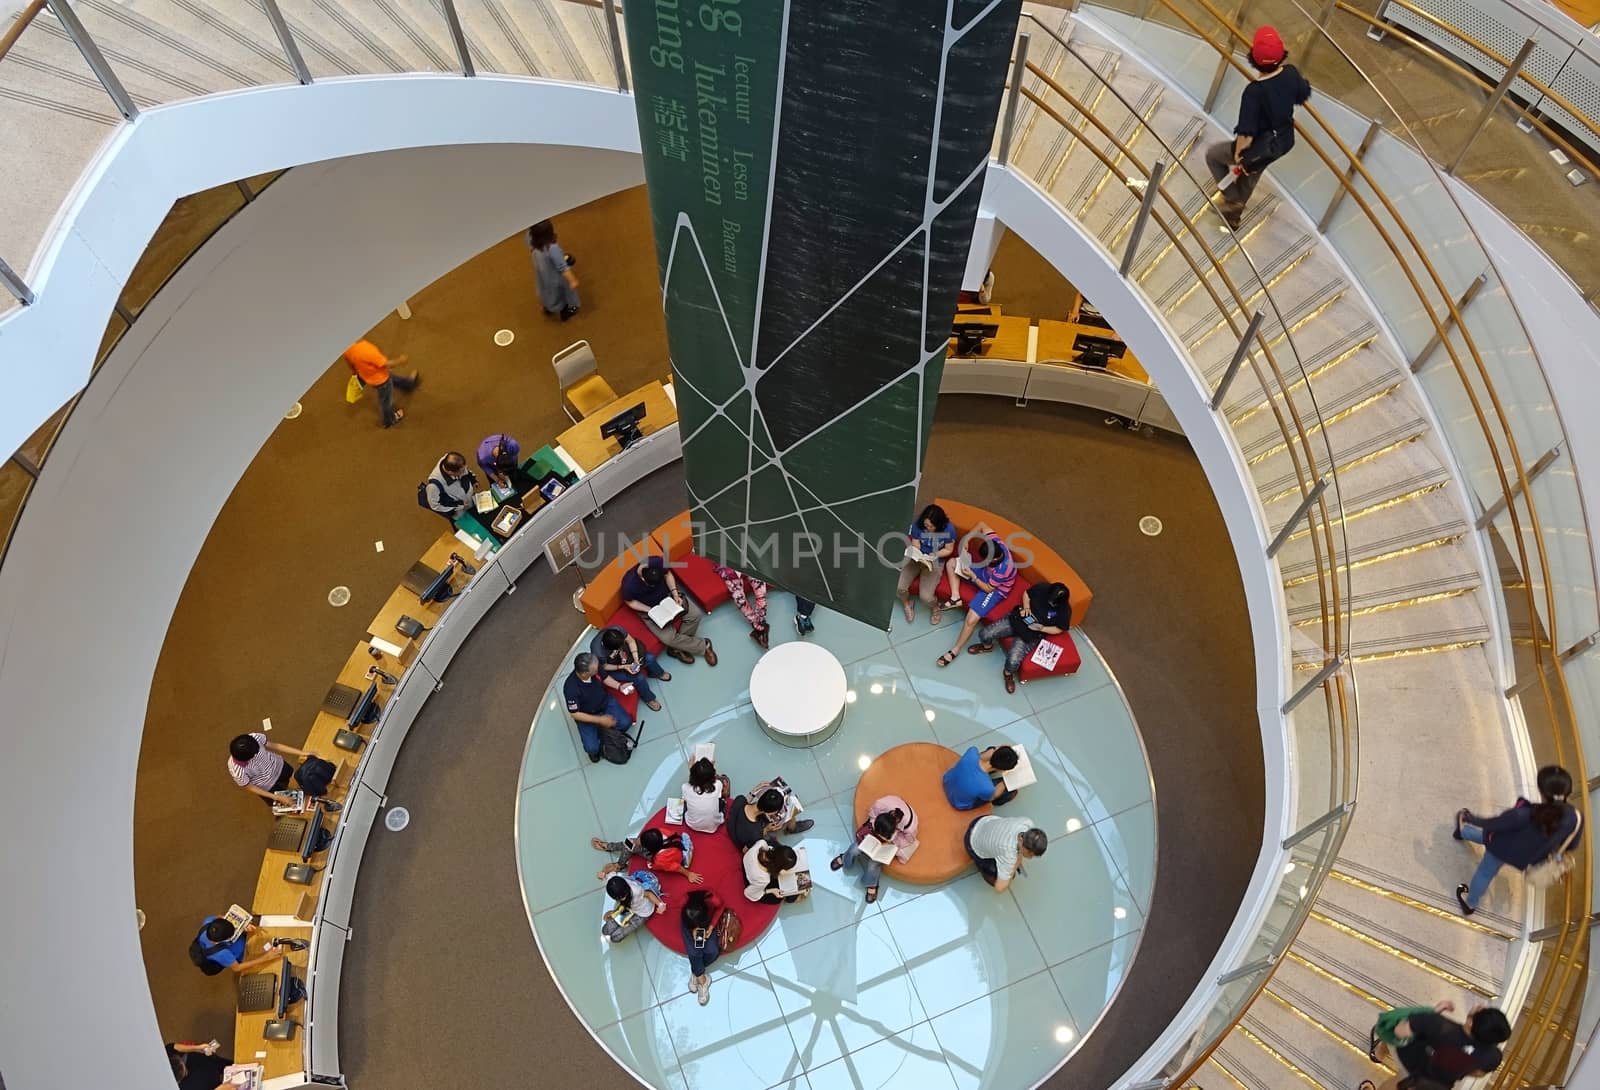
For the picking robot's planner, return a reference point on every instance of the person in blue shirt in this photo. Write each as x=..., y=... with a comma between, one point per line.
x=591, y=704
x=219, y=946
x=934, y=538
x=992, y=570
x=975, y=778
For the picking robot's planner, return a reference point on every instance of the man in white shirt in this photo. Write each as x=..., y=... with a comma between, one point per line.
x=258, y=765
x=998, y=845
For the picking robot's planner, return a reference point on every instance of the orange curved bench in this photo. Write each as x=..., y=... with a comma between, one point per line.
x=915, y=771
x=1046, y=564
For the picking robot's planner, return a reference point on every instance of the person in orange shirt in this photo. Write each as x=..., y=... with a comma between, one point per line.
x=371, y=366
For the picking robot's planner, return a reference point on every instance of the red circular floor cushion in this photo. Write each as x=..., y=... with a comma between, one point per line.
x=719, y=862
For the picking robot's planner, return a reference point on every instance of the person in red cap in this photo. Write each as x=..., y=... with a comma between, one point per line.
x=1265, y=131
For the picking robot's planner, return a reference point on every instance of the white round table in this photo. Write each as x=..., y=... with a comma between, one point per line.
x=798, y=690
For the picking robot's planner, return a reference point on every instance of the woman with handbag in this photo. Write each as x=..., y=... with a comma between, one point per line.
x=709, y=929
x=1532, y=837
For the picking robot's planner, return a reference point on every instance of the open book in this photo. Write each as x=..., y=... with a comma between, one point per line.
x=238, y=916
x=485, y=502
x=791, y=805
x=675, y=811
x=1017, y=778
x=914, y=553
x=708, y=750
x=793, y=881
x=879, y=851
x=664, y=611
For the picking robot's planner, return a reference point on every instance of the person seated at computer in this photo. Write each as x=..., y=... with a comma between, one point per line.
x=892, y=821
x=975, y=778
x=197, y=1066
x=934, y=538
x=624, y=662
x=591, y=704
x=765, y=811
x=765, y=864
x=705, y=796
x=449, y=487
x=702, y=942
x=992, y=571
x=221, y=945
x=662, y=852
x=1046, y=610
x=649, y=584
x=636, y=898
x=750, y=596
x=258, y=765
x=998, y=845
x=497, y=457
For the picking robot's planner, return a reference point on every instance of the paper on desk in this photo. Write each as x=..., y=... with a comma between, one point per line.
x=485, y=502
x=1017, y=778
x=664, y=611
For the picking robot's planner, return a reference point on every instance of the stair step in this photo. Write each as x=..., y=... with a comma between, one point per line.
x=158, y=64
x=493, y=37
x=237, y=40
x=567, y=40
x=1322, y=1051
x=1358, y=451
x=1253, y=1062
x=1378, y=600
x=345, y=42
x=1343, y=1007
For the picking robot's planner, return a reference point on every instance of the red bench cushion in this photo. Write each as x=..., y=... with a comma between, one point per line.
x=1068, y=663
x=632, y=622
x=700, y=576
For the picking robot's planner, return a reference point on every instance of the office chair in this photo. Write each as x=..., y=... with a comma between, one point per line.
x=582, y=389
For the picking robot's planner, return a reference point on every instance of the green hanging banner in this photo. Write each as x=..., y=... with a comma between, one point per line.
x=814, y=170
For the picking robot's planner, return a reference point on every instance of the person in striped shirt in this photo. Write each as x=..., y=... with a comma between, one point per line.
x=992, y=570
x=258, y=765
x=998, y=845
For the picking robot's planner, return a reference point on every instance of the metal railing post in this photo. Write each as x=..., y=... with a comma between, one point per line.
x=1490, y=513
x=1248, y=969
x=1239, y=353
x=19, y=291
x=1373, y=128
x=458, y=36
x=1300, y=512
x=25, y=464
x=1322, y=822
x=1151, y=188
x=286, y=40
x=1449, y=322
x=1493, y=101
x=1331, y=667
x=614, y=32
x=1019, y=72
x=95, y=59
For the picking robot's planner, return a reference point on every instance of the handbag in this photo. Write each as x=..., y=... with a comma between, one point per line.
x=1555, y=866
x=352, y=390
x=729, y=930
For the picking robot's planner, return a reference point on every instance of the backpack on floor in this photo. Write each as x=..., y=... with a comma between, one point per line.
x=616, y=745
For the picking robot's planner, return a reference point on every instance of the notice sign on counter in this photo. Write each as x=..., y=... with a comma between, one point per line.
x=814, y=170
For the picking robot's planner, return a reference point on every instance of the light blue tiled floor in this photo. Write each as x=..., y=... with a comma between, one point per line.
x=931, y=988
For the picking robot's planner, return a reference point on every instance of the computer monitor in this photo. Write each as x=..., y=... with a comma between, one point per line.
x=315, y=840
x=366, y=709
x=1089, y=314
x=439, y=590
x=1093, y=351
x=624, y=427
x=971, y=335
x=284, y=986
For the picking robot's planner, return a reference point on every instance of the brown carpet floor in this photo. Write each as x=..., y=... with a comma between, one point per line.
x=442, y=953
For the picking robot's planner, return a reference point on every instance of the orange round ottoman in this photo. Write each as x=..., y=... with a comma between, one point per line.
x=915, y=772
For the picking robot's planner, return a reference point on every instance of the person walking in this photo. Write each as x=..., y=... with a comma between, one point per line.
x=1265, y=131
x=374, y=369
x=1521, y=837
x=552, y=270
x=1435, y=1051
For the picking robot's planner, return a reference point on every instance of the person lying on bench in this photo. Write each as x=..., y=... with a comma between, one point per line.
x=975, y=778
x=749, y=594
x=1046, y=610
x=664, y=853
x=992, y=571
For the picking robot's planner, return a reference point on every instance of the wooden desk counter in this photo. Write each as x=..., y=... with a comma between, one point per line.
x=583, y=443
x=1009, y=343
x=282, y=1057
x=403, y=602
x=1055, y=346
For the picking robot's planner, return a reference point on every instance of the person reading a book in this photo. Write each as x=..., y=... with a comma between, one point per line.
x=662, y=852
x=647, y=589
x=767, y=811
x=1046, y=610
x=888, y=835
x=772, y=874
x=931, y=542
x=998, y=845
x=623, y=662
x=992, y=570
x=702, y=938
x=637, y=897
x=705, y=795
x=979, y=777
x=592, y=706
